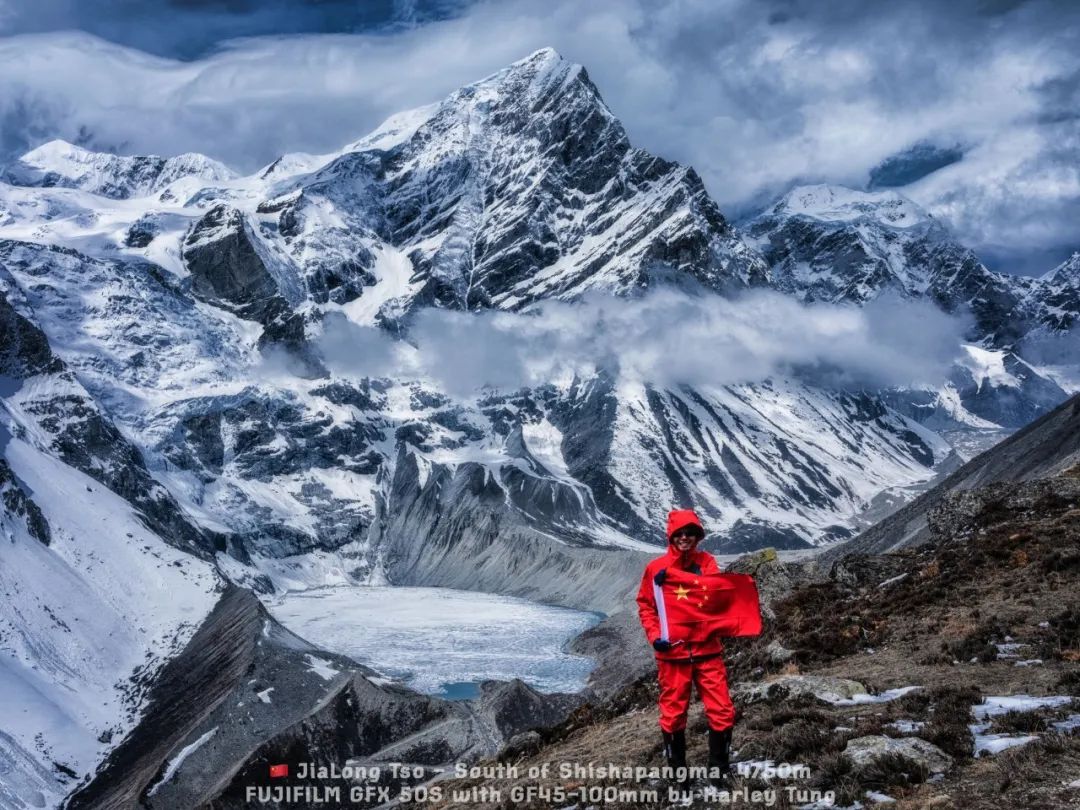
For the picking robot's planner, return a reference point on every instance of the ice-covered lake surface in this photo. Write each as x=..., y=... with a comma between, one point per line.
x=440, y=640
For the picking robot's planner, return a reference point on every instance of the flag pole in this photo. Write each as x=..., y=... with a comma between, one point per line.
x=658, y=595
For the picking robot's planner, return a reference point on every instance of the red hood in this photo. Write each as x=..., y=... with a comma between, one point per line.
x=680, y=519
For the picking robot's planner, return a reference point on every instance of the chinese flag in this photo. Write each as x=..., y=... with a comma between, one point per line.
x=278, y=770
x=693, y=607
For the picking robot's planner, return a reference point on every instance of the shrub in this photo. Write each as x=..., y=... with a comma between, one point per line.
x=1063, y=639
x=1069, y=682
x=836, y=772
x=913, y=703
x=954, y=739
x=977, y=644
x=950, y=715
x=1020, y=722
x=892, y=769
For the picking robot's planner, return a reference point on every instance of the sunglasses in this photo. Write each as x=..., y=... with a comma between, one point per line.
x=684, y=535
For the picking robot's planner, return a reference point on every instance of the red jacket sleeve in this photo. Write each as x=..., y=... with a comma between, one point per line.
x=646, y=603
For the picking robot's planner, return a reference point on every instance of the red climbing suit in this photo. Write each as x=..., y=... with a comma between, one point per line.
x=688, y=663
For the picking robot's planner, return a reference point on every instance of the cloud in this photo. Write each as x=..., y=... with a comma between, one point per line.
x=346, y=348
x=665, y=337
x=755, y=95
x=188, y=29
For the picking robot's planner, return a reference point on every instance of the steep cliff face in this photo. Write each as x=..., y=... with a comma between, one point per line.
x=226, y=269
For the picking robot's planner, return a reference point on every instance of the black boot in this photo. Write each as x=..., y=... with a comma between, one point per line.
x=675, y=754
x=719, y=757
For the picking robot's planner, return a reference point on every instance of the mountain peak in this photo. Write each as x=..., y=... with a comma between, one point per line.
x=547, y=55
x=1067, y=270
x=64, y=164
x=832, y=243
x=542, y=73
x=54, y=149
x=540, y=65
x=834, y=203
x=542, y=195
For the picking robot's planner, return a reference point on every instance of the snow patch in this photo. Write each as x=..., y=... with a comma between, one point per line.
x=884, y=697
x=321, y=667
x=993, y=706
x=178, y=760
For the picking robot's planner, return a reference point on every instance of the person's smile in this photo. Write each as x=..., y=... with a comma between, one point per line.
x=684, y=541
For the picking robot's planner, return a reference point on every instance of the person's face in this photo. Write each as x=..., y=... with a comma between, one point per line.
x=684, y=540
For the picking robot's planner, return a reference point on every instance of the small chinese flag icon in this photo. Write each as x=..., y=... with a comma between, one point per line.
x=278, y=770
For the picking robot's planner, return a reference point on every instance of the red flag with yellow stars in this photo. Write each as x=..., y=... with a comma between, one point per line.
x=693, y=607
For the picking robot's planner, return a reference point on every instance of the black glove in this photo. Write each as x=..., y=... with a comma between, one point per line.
x=661, y=575
x=661, y=644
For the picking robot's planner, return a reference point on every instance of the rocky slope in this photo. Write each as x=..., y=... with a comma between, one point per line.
x=1044, y=448
x=937, y=676
x=245, y=693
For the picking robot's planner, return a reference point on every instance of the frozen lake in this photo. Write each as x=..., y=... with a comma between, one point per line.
x=439, y=640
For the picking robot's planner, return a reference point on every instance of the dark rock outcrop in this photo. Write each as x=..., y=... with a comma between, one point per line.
x=227, y=270
x=18, y=502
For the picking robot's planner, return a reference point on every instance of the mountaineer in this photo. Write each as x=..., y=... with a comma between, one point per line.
x=687, y=653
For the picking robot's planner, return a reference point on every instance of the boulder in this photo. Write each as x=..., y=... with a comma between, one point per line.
x=820, y=686
x=863, y=751
x=778, y=653
x=773, y=579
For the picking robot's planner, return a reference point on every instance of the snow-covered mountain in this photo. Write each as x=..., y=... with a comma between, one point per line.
x=102, y=580
x=166, y=380
x=1056, y=296
x=830, y=243
x=520, y=188
x=59, y=163
x=835, y=244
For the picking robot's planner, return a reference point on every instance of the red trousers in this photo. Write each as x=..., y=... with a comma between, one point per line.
x=710, y=676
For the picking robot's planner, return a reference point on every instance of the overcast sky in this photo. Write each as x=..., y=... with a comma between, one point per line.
x=972, y=108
